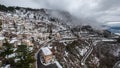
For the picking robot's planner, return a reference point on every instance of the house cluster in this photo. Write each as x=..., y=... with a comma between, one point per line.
x=23, y=28
x=18, y=31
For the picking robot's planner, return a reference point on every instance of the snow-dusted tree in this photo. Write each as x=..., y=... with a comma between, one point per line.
x=7, y=49
x=0, y=25
x=25, y=57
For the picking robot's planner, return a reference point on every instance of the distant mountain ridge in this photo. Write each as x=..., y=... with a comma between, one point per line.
x=112, y=28
x=52, y=15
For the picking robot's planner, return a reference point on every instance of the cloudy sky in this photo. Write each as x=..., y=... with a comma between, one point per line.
x=101, y=11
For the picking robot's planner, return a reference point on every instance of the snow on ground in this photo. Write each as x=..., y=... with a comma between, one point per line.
x=10, y=56
x=17, y=60
x=58, y=64
x=65, y=59
x=83, y=51
x=13, y=40
x=41, y=42
x=6, y=66
x=95, y=61
x=66, y=53
x=50, y=47
x=108, y=40
x=116, y=53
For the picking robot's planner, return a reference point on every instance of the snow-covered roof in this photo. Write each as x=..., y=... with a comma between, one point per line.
x=12, y=28
x=18, y=32
x=19, y=24
x=19, y=43
x=13, y=40
x=46, y=51
x=107, y=40
x=2, y=38
x=7, y=66
x=4, y=30
x=30, y=48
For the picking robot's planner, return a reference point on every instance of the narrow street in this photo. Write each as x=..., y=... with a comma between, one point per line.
x=88, y=53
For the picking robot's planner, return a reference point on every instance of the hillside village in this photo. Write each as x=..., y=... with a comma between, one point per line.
x=56, y=43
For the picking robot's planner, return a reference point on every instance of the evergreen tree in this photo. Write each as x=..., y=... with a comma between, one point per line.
x=7, y=49
x=6, y=9
x=23, y=54
x=25, y=57
x=0, y=25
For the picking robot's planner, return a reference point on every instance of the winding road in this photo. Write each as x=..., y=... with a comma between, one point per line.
x=87, y=54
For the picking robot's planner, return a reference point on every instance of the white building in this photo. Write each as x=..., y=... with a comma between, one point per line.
x=47, y=55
